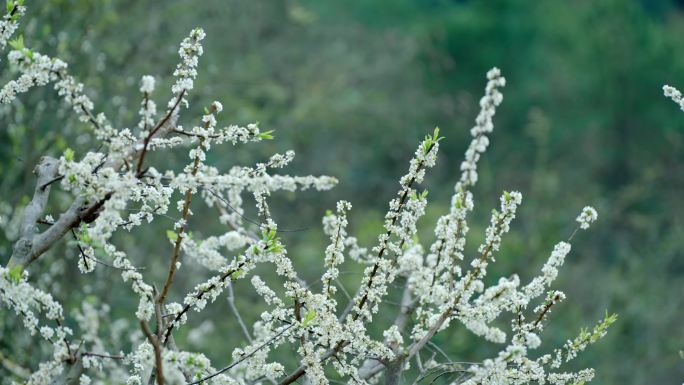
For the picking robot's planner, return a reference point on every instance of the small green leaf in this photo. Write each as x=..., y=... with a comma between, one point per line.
x=69, y=154
x=85, y=238
x=236, y=274
x=435, y=135
x=171, y=235
x=17, y=43
x=266, y=135
x=309, y=317
x=15, y=273
x=430, y=141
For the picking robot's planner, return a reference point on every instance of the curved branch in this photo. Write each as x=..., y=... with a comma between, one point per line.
x=45, y=171
x=28, y=249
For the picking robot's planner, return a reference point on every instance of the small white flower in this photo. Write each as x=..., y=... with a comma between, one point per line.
x=84, y=380
x=587, y=217
x=217, y=106
x=147, y=84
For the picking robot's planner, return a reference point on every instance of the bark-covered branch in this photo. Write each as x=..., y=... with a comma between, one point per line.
x=25, y=247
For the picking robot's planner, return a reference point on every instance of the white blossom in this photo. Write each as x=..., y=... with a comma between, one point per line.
x=9, y=22
x=115, y=192
x=587, y=217
x=674, y=94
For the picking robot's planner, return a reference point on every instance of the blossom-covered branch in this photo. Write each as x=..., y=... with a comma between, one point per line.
x=117, y=187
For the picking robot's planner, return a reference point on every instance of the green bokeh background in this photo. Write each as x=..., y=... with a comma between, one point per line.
x=352, y=86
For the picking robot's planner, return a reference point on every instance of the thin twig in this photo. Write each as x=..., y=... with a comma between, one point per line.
x=157, y=127
x=231, y=303
x=244, y=357
x=113, y=357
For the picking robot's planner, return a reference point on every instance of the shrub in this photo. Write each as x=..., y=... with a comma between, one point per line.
x=332, y=339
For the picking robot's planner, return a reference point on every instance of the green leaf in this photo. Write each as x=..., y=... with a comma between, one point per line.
x=430, y=141
x=69, y=154
x=266, y=135
x=173, y=237
x=85, y=238
x=435, y=135
x=236, y=274
x=17, y=43
x=15, y=273
x=309, y=317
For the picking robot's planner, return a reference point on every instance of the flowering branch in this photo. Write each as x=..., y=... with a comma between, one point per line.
x=114, y=189
x=46, y=170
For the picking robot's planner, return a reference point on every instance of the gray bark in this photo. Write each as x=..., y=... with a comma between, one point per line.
x=45, y=171
x=31, y=245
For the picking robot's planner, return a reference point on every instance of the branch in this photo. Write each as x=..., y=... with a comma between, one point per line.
x=231, y=303
x=157, y=351
x=80, y=209
x=46, y=170
x=70, y=375
x=168, y=117
x=14, y=368
x=371, y=367
x=181, y=231
x=244, y=357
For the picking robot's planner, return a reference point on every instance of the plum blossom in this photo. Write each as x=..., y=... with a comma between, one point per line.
x=114, y=192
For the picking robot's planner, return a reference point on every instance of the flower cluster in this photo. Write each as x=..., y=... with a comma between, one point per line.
x=148, y=108
x=37, y=70
x=186, y=71
x=674, y=94
x=10, y=20
x=587, y=217
x=483, y=126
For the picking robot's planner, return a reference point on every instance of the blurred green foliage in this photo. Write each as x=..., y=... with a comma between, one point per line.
x=352, y=86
